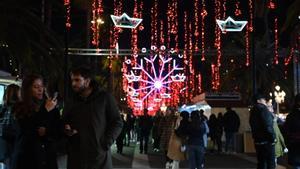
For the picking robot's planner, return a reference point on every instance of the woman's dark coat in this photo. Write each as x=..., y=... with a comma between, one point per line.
x=31, y=150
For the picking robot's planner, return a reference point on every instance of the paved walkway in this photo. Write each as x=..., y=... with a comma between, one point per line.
x=132, y=159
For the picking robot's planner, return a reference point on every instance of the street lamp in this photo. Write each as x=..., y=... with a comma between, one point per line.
x=279, y=96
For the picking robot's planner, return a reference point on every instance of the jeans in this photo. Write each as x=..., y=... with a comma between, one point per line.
x=196, y=156
x=265, y=156
x=229, y=141
x=144, y=142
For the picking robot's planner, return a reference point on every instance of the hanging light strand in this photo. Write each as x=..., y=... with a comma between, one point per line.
x=237, y=11
x=199, y=83
x=288, y=59
x=97, y=11
x=247, y=45
x=134, y=32
x=218, y=44
x=250, y=23
x=186, y=92
x=114, y=33
x=203, y=15
x=224, y=8
x=276, y=45
x=67, y=4
x=154, y=11
x=191, y=67
x=196, y=24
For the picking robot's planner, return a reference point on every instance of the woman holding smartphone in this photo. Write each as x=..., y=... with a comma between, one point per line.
x=37, y=121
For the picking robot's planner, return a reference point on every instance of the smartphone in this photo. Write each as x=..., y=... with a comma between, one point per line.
x=55, y=95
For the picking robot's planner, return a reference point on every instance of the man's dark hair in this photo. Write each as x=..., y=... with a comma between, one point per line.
x=83, y=71
x=86, y=73
x=258, y=96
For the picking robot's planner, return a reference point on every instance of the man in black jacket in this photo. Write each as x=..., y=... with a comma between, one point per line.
x=231, y=123
x=261, y=122
x=92, y=122
x=145, y=124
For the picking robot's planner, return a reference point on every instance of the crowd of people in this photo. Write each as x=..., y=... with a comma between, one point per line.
x=180, y=135
x=31, y=125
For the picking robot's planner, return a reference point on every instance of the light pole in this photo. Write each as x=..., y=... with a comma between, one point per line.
x=279, y=97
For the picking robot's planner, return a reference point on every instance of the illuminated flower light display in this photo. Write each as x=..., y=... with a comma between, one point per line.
x=153, y=80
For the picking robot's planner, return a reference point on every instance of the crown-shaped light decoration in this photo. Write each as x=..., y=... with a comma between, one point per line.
x=178, y=78
x=230, y=25
x=132, y=77
x=124, y=21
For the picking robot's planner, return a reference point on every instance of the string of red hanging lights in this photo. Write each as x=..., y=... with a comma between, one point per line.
x=67, y=4
x=217, y=44
x=247, y=45
x=196, y=24
x=185, y=57
x=193, y=35
x=203, y=15
x=154, y=34
x=191, y=66
x=276, y=44
x=97, y=11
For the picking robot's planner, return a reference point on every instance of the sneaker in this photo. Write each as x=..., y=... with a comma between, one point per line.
x=168, y=165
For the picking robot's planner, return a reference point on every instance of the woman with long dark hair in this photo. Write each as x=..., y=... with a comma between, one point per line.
x=37, y=120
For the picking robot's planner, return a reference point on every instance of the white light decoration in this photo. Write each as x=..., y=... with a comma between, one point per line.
x=144, y=50
x=279, y=96
x=158, y=84
x=230, y=25
x=124, y=21
x=132, y=78
x=117, y=48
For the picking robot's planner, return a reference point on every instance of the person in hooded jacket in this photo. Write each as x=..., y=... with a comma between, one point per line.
x=195, y=142
x=261, y=123
x=92, y=123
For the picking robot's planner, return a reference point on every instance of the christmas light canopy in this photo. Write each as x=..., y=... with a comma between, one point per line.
x=124, y=21
x=230, y=25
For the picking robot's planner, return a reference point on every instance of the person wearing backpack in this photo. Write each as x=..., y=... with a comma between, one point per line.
x=195, y=142
x=7, y=124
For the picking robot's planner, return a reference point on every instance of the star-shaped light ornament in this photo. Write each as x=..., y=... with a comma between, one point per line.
x=124, y=21
x=230, y=25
